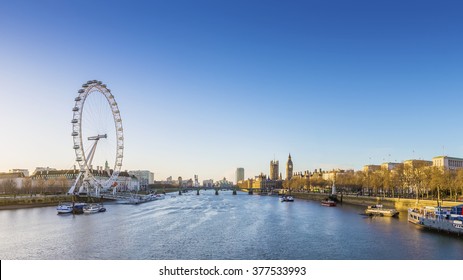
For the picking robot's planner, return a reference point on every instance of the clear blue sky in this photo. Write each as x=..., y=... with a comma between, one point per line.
x=208, y=86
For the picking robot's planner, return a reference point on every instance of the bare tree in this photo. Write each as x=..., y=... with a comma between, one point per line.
x=41, y=185
x=51, y=185
x=27, y=185
x=459, y=181
x=63, y=184
x=9, y=186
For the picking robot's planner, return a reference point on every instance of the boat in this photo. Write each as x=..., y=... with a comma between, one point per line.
x=328, y=202
x=414, y=215
x=93, y=208
x=139, y=199
x=446, y=219
x=287, y=198
x=151, y=197
x=64, y=208
x=380, y=211
x=68, y=208
x=79, y=207
x=160, y=196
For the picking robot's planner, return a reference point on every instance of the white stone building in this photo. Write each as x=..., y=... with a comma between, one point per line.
x=145, y=177
x=446, y=162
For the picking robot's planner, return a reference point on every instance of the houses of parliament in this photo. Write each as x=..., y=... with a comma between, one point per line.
x=275, y=179
x=274, y=168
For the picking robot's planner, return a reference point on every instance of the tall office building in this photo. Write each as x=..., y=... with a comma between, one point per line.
x=289, y=168
x=239, y=174
x=274, y=166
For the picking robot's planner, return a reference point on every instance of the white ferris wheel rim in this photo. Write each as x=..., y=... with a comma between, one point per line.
x=95, y=86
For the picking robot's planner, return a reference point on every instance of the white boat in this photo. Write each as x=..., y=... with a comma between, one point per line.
x=151, y=197
x=160, y=196
x=287, y=198
x=381, y=211
x=139, y=199
x=94, y=208
x=449, y=219
x=64, y=208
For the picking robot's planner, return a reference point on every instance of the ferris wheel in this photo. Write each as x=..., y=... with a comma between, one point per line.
x=97, y=122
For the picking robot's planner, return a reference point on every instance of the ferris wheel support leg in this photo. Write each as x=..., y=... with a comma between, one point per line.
x=92, y=153
x=73, y=188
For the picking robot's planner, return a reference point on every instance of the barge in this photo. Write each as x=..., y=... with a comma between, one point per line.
x=446, y=219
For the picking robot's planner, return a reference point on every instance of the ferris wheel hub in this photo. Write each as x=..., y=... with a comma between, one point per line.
x=98, y=137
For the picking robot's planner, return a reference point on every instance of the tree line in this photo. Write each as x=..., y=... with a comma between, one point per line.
x=408, y=181
x=58, y=185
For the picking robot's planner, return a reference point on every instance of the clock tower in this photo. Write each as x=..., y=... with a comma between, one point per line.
x=289, y=168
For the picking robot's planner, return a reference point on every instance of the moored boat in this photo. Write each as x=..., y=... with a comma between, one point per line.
x=68, y=208
x=64, y=208
x=139, y=199
x=160, y=196
x=93, y=208
x=328, y=202
x=287, y=198
x=446, y=219
x=380, y=211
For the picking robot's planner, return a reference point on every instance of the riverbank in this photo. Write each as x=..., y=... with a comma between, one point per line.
x=401, y=204
x=27, y=201
x=20, y=202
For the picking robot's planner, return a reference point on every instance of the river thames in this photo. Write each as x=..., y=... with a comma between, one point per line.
x=225, y=227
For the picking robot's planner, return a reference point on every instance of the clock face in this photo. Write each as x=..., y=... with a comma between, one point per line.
x=290, y=166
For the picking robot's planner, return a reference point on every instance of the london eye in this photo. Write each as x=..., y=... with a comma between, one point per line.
x=98, y=138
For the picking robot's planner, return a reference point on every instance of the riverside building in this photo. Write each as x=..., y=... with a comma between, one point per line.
x=145, y=177
x=449, y=163
x=389, y=165
x=416, y=163
x=65, y=178
x=371, y=168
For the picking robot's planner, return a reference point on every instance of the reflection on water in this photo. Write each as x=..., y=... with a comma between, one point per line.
x=219, y=227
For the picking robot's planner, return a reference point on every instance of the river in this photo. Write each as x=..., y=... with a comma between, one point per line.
x=225, y=226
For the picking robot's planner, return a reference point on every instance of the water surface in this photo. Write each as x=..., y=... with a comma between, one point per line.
x=219, y=227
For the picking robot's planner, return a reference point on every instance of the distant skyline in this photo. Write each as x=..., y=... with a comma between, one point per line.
x=205, y=87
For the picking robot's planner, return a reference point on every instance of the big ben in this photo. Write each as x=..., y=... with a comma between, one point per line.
x=289, y=168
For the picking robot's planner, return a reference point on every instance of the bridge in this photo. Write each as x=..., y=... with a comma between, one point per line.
x=264, y=191
x=215, y=188
x=129, y=196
